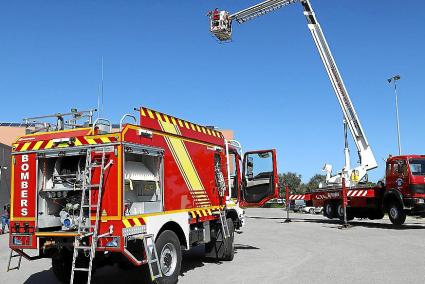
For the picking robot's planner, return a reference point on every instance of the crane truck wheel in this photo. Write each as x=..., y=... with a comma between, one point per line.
x=170, y=257
x=396, y=214
x=340, y=211
x=329, y=210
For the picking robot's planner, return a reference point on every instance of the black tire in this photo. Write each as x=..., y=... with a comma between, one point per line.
x=219, y=248
x=61, y=265
x=229, y=253
x=396, y=213
x=311, y=211
x=340, y=212
x=329, y=210
x=169, y=253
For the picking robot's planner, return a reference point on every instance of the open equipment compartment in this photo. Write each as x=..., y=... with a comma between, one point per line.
x=143, y=180
x=59, y=181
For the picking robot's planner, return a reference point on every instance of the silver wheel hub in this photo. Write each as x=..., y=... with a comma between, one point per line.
x=168, y=259
x=393, y=212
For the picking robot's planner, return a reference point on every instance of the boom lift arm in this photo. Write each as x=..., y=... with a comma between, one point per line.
x=221, y=27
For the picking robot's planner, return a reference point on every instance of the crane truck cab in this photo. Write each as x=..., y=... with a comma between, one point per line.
x=404, y=187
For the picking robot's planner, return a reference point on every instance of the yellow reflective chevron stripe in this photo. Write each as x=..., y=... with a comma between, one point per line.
x=185, y=164
x=137, y=222
x=25, y=147
x=37, y=145
x=126, y=223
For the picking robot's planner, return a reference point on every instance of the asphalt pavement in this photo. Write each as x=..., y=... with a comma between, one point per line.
x=310, y=249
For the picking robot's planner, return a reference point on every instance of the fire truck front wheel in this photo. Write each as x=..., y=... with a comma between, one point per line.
x=396, y=213
x=221, y=248
x=170, y=256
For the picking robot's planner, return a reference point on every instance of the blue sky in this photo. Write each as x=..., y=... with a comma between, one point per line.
x=268, y=85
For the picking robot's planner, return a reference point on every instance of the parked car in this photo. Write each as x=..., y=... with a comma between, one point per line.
x=312, y=210
x=297, y=205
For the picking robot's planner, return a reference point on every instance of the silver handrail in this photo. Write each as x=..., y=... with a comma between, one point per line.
x=104, y=120
x=127, y=115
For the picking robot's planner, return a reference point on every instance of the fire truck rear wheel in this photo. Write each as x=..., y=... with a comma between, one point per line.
x=61, y=265
x=170, y=256
x=396, y=214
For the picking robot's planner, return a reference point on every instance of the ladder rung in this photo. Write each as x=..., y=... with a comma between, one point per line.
x=83, y=247
x=96, y=165
x=87, y=206
x=81, y=269
x=93, y=185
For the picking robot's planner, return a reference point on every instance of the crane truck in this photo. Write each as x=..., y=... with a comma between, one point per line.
x=86, y=194
x=402, y=192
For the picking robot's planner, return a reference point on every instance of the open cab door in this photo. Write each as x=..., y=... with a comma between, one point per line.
x=259, y=178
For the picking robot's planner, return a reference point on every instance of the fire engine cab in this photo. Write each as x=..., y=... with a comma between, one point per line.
x=137, y=193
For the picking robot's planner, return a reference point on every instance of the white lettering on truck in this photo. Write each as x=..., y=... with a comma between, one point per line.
x=25, y=175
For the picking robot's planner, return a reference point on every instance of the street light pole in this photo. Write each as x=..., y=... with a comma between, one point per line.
x=395, y=79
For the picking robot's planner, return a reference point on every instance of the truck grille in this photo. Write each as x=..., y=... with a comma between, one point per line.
x=417, y=188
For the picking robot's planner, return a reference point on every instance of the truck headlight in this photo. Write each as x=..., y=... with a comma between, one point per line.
x=420, y=201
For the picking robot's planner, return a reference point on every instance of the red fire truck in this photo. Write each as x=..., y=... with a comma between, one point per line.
x=402, y=193
x=137, y=194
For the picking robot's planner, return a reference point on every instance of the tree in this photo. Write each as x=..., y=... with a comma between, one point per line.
x=315, y=181
x=293, y=180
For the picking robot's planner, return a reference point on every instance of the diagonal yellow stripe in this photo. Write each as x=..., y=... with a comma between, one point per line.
x=150, y=114
x=77, y=142
x=90, y=141
x=49, y=145
x=37, y=145
x=137, y=222
x=105, y=139
x=183, y=159
x=25, y=147
x=142, y=112
x=126, y=223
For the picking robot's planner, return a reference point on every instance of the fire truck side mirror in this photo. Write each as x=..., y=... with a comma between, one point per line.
x=250, y=168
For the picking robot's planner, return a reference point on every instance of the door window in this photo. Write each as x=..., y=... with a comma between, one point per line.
x=259, y=176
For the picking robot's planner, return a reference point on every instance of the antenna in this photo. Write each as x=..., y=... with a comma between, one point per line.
x=100, y=93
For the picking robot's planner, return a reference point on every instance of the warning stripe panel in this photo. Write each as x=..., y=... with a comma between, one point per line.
x=49, y=144
x=145, y=112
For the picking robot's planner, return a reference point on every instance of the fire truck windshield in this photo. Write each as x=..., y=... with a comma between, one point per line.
x=417, y=167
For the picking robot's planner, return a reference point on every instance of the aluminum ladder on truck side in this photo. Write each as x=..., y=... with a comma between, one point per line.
x=11, y=256
x=86, y=229
x=152, y=257
x=224, y=226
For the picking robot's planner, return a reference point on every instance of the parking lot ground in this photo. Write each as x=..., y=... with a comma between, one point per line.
x=310, y=249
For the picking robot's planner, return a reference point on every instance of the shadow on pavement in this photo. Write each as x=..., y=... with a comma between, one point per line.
x=356, y=223
x=195, y=257
x=45, y=276
x=365, y=224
